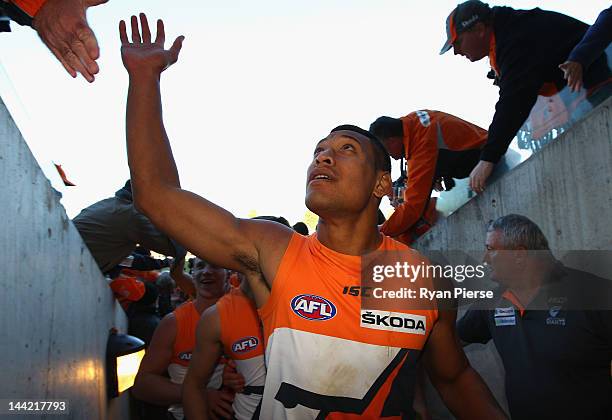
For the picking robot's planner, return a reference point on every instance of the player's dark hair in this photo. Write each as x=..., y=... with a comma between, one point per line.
x=382, y=161
x=387, y=127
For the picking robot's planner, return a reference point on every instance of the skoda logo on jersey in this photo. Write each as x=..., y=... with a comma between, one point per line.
x=245, y=344
x=393, y=321
x=313, y=307
x=185, y=355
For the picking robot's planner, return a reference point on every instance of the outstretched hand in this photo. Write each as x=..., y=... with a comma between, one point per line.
x=63, y=27
x=142, y=55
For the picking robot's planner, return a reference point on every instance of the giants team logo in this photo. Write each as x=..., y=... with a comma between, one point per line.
x=313, y=307
x=245, y=344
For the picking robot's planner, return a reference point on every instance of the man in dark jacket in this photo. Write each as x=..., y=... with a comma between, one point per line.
x=551, y=325
x=112, y=228
x=525, y=48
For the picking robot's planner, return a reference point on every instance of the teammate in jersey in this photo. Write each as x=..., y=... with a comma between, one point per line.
x=163, y=368
x=325, y=357
x=230, y=328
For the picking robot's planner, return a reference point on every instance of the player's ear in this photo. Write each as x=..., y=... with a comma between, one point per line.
x=383, y=185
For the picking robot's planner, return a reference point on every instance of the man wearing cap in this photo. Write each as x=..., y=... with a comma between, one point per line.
x=525, y=48
x=437, y=146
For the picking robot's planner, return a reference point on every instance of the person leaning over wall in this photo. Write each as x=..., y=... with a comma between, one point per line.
x=525, y=49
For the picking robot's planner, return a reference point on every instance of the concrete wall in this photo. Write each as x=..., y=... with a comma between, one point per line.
x=57, y=308
x=566, y=189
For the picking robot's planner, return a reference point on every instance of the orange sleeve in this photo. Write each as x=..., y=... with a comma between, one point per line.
x=421, y=158
x=31, y=7
x=459, y=134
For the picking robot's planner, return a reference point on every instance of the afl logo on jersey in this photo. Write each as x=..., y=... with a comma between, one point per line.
x=185, y=355
x=313, y=307
x=245, y=344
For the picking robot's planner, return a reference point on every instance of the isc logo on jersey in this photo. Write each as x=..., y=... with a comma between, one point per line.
x=245, y=344
x=313, y=307
x=393, y=321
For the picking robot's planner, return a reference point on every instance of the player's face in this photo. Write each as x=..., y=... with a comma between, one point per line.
x=209, y=279
x=472, y=44
x=341, y=177
x=501, y=261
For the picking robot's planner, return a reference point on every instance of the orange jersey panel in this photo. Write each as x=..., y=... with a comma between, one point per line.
x=325, y=357
x=187, y=318
x=242, y=341
x=240, y=326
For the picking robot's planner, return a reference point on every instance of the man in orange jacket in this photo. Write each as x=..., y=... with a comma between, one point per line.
x=437, y=147
x=63, y=27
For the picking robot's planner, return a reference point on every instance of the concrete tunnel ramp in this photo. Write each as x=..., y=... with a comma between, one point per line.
x=57, y=308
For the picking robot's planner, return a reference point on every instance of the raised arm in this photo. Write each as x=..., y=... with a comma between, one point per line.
x=462, y=389
x=204, y=228
x=182, y=279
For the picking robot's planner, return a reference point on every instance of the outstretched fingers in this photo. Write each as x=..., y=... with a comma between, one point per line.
x=123, y=33
x=64, y=63
x=161, y=33
x=175, y=49
x=146, y=32
x=135, y=32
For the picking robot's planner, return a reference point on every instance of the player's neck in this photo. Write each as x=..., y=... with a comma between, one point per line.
x=349, y=236
x=201, y=303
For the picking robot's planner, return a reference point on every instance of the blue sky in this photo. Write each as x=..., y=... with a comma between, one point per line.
x=256, y=86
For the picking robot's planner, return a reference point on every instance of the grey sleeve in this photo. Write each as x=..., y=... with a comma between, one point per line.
x=143, y=232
